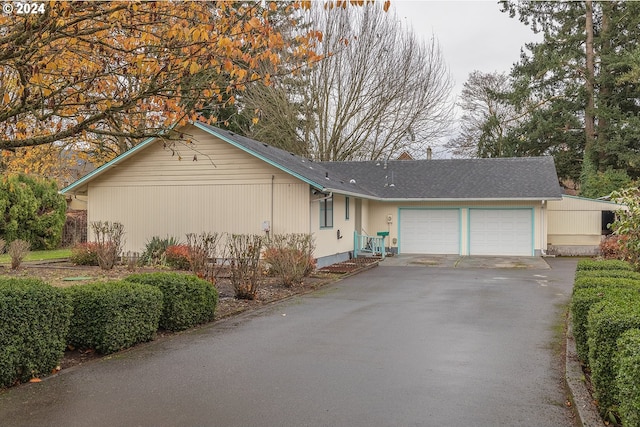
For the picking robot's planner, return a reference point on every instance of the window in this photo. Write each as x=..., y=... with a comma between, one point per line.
x=346, y=208
x=326, y=213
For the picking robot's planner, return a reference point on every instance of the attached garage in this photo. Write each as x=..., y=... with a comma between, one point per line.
x=501, y=232
x=430, y=231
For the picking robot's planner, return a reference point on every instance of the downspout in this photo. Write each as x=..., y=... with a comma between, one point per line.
x=273, y=177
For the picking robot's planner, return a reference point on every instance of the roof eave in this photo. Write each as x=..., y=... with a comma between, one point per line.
x=102, y=169
x=258, y=155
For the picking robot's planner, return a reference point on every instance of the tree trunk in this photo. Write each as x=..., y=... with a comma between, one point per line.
x=589, y=118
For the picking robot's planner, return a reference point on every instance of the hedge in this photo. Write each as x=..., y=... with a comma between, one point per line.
x=188, y=300
x=608, y=264
x=606, y=322
x=627, y=362
x=34, y=320
x=582, y=301
x=110, y=316
x=603, y=282
x=621, y=274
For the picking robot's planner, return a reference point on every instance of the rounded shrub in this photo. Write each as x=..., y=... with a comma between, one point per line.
x=606, y=322
x=627, y=364
x=582, y=301
x=34, y=321
x=110, y=316
x=188, y=300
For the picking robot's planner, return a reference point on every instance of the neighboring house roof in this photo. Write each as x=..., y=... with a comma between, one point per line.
x=527, y=178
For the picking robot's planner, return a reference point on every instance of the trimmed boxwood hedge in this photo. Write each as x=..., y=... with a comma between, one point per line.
x=34, y=320
x=188, y=300
x=582, y=301
x=627, y=364
x=110, y=316
x=606, y=322
x=607, y=264
x=621, y=274
x=603, y=282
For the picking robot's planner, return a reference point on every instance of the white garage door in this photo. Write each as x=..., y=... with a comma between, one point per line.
x=429, y=231
x=501, y=232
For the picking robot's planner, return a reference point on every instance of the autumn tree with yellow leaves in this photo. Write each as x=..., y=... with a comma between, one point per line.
x=112, y=73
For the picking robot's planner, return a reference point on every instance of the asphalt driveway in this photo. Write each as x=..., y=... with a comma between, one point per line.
x=393, y=346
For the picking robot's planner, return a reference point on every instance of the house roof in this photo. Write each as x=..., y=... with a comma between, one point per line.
x=527, y=178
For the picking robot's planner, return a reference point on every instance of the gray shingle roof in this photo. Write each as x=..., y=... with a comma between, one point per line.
x=444, y=179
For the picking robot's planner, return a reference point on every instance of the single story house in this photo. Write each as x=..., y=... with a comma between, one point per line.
x=221, y=181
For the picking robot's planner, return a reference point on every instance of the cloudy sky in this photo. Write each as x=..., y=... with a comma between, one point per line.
x=473, y=35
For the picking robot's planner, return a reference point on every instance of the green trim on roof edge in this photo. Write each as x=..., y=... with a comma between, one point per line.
x=107, y=165
x=210, y=131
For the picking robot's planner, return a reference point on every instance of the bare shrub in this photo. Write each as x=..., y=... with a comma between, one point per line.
x=109, y=238
x=246, y=272
x=290, y=257
x=206, y=254
x=18, y=249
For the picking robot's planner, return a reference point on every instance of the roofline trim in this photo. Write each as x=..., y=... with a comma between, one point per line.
x=210, y=131
x=608, y=202
x=441, y=199
x=99, y=171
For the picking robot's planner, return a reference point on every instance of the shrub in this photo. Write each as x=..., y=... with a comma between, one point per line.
x=32, y=210
x=246, y=272
x=622, y=274
x=206, y=254
x=627, y=363
x=109, y=238
x=177, y=256
x=188, y=301
x=110, y=316
x=612, y=247
x=84, y=254
x=3, y=243
x=290, y=257
x=586, y=297
x=18, y=249
x=585, y=282
x=609, y=264
x=34, y=320
x=607, y=321
x=154, y=250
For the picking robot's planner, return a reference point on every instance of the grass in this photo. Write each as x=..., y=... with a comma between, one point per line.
x=39, y=255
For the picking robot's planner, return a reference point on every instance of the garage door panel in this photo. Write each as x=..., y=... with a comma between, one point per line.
x=430, y=231
x=500, y=232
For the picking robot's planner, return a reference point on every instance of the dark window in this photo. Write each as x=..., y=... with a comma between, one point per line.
x=346, y=208
x=326, y=213
x=607, y=219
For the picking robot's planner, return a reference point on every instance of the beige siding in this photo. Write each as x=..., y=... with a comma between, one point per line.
x=327, y=241
x=217, y=162
x=153, y=193
x=380, y=210
x=574, y=221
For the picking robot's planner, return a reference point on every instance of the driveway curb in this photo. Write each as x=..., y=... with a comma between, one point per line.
x=581, y=398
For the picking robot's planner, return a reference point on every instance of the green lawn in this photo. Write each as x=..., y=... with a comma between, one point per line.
x=39, y=255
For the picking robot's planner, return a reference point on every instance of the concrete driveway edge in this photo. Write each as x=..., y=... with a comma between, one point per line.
x=581, y=398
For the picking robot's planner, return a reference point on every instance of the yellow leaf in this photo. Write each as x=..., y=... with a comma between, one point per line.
x=194, y=68
x=386, y=5
x=255, y=120
x=6, y=98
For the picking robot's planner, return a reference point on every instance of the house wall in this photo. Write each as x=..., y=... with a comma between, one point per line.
x=155, y=193
x=378, y=212
x=575, y=225
x=330, y=248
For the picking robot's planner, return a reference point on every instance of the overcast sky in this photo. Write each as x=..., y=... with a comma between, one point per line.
x=473, y=35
